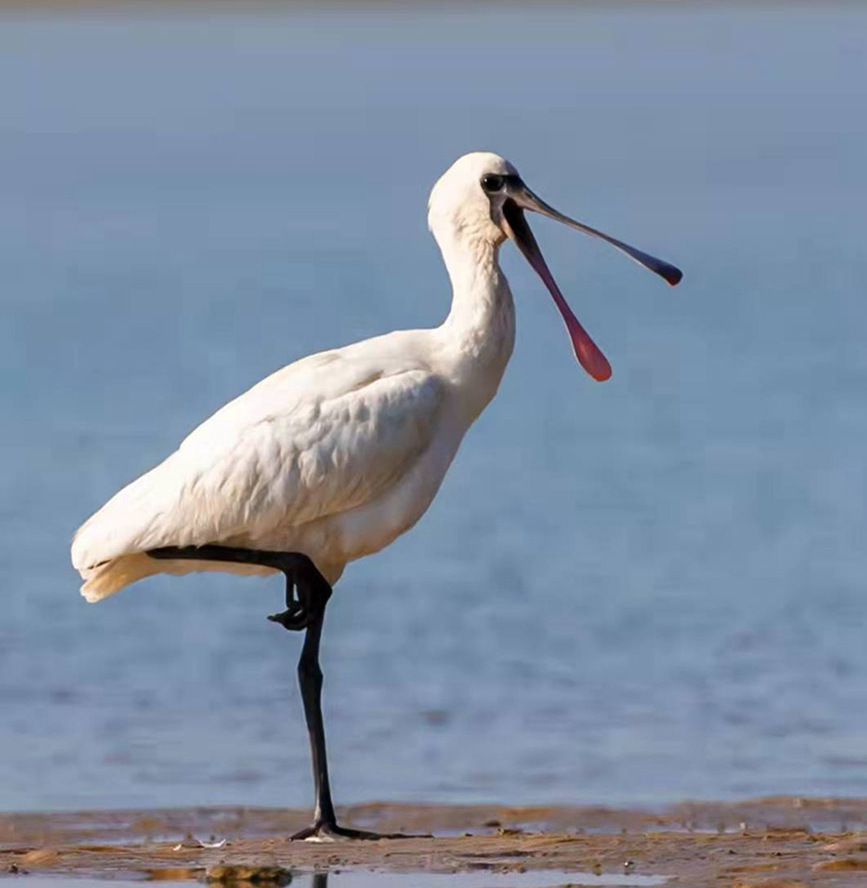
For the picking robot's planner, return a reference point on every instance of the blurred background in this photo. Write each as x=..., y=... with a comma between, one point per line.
x=627, y=593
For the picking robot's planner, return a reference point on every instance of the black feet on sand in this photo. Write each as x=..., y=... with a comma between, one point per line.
x=331, y=832
x=307, y=594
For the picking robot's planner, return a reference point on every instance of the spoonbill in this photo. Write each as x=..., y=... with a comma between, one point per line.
x=336, y=455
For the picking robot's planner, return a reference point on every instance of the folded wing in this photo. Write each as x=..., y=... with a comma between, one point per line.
x=319, y=437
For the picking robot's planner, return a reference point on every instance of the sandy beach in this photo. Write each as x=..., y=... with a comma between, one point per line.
x=765, y=842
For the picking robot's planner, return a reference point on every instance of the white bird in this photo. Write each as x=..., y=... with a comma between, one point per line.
x=336, y=455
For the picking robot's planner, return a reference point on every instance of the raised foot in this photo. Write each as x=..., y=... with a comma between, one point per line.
x=331, y=832
x=294, y=620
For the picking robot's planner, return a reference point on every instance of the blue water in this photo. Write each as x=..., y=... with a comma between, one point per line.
x=627, y=593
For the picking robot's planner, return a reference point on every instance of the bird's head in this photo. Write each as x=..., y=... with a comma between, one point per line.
x=461, y=205
x=482, y=197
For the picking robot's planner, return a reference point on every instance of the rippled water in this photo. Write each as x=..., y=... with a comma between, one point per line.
x=630, y=592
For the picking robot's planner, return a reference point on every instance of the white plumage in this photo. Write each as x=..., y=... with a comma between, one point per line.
x=336, y=454
x=339, y=453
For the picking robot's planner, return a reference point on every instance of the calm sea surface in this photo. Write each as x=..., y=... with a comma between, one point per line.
x=628, y=593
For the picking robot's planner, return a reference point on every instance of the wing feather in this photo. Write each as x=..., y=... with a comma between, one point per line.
x=319, y=437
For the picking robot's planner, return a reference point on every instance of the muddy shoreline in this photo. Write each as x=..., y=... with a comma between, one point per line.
x=764, y=842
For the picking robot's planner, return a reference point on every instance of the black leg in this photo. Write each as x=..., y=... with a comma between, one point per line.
x=306, y=612
x=324, y=826
x=291, y=564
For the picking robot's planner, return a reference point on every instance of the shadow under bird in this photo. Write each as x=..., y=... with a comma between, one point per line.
x=336, y=455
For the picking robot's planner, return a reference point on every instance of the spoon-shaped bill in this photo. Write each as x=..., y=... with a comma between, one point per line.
x=529, y=201
x=586, y=350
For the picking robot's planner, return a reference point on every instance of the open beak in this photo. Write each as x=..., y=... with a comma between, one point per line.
x=520, y=198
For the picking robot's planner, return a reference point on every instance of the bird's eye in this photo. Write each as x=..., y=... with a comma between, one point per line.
x=492, y=183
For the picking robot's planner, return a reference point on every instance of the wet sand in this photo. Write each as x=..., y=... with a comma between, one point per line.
x=772, y=843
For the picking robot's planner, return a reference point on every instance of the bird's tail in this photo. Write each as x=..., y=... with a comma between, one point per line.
x=105, y=579
x=109, y=577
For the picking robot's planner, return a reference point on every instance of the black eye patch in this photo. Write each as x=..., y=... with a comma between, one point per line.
x=494, y=182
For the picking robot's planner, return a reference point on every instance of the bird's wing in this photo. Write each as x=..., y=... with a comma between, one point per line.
x=321, y=436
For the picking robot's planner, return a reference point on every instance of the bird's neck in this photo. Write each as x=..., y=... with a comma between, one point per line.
x=479, y=333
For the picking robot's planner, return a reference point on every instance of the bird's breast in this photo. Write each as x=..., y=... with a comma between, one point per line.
x=373, y=526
